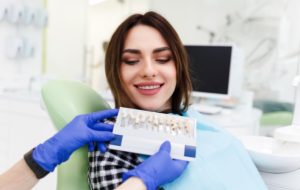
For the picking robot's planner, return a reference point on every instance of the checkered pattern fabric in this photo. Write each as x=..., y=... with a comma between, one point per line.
x=106, y=169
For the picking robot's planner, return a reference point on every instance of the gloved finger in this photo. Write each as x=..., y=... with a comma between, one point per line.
x=166, y=146
x=102, y=147
x=91, y=147
x=102, y=127
x=102, y=136
x=100, y=115
x=180, y=164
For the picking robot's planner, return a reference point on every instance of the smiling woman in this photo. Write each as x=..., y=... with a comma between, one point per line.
x=151, y=65
x=146, y=68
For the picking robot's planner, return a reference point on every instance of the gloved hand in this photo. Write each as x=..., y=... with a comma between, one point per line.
x=158, y=169
x=82, y=130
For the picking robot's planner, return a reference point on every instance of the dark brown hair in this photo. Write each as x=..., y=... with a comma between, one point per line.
x=181, y=96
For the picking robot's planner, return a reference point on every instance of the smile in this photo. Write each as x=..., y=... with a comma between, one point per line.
x=149, y=88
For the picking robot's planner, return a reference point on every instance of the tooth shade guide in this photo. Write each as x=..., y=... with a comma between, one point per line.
x=143, y=131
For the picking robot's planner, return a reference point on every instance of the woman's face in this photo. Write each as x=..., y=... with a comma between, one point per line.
x=148, y=69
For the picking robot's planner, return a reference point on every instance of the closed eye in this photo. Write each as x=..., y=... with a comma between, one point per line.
x=164, y=60
x=131, y=62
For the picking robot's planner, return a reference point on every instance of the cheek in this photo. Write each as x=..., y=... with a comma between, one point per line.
x=123, y=80
x=124, y=74
x=125, y=83
x=171, y=74
x=127, y=76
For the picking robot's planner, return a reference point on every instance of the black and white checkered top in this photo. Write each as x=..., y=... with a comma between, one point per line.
x=106, y=169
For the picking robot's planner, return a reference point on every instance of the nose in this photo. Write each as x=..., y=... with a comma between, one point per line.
x=148, y=69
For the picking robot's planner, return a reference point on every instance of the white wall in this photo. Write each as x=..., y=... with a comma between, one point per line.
x=66, y=36
x=186, y=16
x=288, y=50
x=20, y=68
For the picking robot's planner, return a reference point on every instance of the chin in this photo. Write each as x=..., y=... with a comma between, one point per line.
x=152, y=107
x=149, y=108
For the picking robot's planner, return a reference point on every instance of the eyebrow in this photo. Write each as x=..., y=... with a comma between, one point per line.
x=136, y=51
x=161, y=49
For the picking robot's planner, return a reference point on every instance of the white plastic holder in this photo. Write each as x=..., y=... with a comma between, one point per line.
x=289, y=137
x=3, y=11
x=288, y=134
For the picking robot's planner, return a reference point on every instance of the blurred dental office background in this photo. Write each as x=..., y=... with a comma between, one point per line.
x=42, y=40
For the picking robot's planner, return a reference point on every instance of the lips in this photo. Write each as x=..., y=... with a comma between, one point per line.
x=148, y=88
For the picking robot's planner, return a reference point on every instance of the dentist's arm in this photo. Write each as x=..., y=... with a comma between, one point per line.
x=20, y=177
x=82, y=130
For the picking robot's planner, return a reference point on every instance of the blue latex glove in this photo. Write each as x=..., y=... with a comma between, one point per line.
x=82, y=130
x=158, y=169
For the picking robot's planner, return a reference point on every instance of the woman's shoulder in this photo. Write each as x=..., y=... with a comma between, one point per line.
x=207, y=130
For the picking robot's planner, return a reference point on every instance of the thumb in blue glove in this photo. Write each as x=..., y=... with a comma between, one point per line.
x=158, y=169
x=82, y=130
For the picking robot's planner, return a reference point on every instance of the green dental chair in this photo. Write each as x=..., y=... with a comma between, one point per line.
x=64, y=100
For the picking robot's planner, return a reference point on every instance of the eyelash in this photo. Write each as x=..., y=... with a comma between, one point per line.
x=130, y=62
x=162, y=61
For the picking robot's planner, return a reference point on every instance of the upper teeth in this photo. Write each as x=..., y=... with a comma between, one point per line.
x=149, y=87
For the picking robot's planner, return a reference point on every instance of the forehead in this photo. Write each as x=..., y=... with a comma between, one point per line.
x=144, y=37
